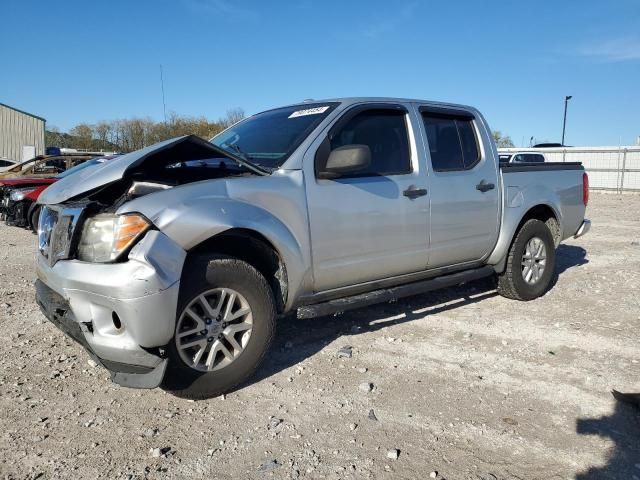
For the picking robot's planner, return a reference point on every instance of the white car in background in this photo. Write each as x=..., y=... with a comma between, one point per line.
x=521, y=157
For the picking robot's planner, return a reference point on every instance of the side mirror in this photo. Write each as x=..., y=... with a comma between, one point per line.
x=345, y=160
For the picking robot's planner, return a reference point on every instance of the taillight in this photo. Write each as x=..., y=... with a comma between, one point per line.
x=585, y=188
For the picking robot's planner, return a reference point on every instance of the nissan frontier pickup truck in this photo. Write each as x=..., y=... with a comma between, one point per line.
x=171, y=264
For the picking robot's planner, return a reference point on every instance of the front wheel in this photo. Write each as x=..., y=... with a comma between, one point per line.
x=531, y=263
x=34, y=218
x=224, y=327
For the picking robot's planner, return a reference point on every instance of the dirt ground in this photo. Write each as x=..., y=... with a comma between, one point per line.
x=464, y=383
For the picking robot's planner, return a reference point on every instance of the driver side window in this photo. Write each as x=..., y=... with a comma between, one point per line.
x=385, y=133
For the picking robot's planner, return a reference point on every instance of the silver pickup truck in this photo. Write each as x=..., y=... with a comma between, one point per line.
x=171, y=264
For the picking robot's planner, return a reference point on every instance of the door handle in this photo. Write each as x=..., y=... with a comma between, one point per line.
x=414, y=192
x=484, y=186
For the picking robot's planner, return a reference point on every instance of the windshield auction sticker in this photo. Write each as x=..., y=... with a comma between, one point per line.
x=309, y=111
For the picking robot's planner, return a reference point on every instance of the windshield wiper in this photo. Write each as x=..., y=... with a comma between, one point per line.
x=238, y=152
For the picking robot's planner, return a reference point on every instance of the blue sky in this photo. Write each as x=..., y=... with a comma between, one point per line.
x=80, y=61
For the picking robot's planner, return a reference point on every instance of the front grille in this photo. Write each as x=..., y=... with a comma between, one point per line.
x=57, y=232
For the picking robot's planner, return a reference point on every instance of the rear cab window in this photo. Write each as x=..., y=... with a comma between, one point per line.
x=452, y=139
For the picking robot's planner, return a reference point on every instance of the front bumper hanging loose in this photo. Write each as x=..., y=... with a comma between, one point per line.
x=122, y=313
x=57, y=311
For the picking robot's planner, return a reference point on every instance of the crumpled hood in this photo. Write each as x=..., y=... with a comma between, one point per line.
x=159, y=155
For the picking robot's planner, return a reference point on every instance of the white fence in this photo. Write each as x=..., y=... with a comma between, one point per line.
x=609, y=168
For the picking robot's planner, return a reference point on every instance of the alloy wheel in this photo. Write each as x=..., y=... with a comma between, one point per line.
x=214, y=329
x=534, y=260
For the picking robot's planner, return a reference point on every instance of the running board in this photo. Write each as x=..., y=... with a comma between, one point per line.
x=385, y=294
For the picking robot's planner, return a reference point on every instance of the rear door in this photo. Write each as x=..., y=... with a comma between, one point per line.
x=370, y=224
x=463, y=186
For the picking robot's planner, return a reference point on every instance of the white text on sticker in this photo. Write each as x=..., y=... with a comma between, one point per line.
x=308, y=111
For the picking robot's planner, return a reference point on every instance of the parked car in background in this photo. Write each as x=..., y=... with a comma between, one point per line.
x=45, y=165
x=520, y=157
x=171, y=264
x=18, y=195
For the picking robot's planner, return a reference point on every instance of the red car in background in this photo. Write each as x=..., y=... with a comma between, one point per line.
x=18, y=196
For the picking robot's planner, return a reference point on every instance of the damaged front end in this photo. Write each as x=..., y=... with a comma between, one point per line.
x=164, y=165
x=110, y=280
x=83, y=207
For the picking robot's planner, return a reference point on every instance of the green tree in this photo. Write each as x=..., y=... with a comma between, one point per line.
x=84, y=135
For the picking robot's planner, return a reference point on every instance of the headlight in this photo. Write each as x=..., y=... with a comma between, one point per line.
x=106, y=236
x=18, y=194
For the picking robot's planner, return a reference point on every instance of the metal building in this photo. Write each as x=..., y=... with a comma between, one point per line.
x=21, y=134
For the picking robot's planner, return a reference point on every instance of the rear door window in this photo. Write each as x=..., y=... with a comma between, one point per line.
x=453, y=144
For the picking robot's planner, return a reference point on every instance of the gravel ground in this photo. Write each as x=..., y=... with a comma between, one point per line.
x=457, y=384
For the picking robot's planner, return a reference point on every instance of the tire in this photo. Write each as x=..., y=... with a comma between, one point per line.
x=34, y=218
x=519, y=282
x=212, y=276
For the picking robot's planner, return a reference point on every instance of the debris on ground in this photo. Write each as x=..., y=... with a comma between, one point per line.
x=451, y=395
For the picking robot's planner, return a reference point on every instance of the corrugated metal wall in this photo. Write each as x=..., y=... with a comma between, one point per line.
x=19, y=129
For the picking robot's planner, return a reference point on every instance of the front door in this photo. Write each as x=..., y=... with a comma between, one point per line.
x=364, y=225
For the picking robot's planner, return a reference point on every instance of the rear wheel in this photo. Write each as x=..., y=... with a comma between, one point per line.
x=225, y=324
x=531, y=263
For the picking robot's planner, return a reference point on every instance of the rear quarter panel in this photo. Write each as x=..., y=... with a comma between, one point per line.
x=561, y=190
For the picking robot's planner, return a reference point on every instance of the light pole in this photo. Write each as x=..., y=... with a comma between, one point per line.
x=564, y=123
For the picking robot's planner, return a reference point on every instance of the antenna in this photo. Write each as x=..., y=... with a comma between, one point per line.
x=164, y=106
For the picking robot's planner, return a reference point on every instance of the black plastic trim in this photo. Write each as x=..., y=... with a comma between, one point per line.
x=390, y=282
x=540, y=167
x=447, y=112
x=383, y=295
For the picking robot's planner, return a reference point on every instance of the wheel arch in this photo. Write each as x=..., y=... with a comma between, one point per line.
x=544, y=212
x=255, y=249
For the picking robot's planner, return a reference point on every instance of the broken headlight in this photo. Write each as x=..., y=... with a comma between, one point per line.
x=106, y=236
x=18, y=194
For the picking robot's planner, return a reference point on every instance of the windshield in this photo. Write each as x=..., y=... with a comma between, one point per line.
x=267, y=139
